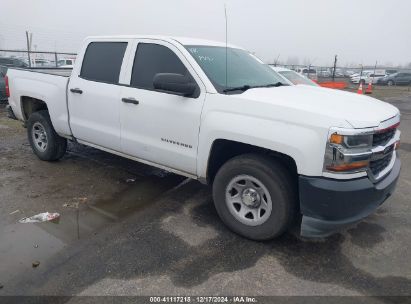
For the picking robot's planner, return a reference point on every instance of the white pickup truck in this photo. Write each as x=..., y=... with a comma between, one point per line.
x=271, y=151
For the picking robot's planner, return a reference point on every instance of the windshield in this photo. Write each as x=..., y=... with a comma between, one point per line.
x=243, y=69
x=296, y=78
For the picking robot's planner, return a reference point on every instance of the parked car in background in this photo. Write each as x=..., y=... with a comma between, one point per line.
x=324, y=73
x=368, y=76
x=349, y=73
x=40, y=62
x=308, y=72
x=358, y=73
x=400, y=78
x=338, y=72
x=357, y=77
x=293, y=77
x=3, y=95
x=66, y=63
x=13, y=62
x=373, y=77
x=390, y=71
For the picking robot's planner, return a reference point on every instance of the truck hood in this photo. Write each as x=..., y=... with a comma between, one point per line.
x=359, y=111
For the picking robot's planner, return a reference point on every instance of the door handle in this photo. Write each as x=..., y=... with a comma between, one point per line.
x=76, y=90
x=130, y=100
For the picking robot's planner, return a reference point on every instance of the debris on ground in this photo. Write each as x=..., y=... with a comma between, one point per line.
x=161, y=173
x=36, y=246
x=1, y=286
x=35, y=264
x=75, y=202
x=41, y=217
x=15, y=211
x=130, y=180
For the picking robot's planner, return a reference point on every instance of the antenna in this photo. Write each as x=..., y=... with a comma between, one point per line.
x=226, y=64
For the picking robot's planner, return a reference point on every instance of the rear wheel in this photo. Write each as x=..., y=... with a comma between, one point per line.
x=44, y=140
x=255, y=196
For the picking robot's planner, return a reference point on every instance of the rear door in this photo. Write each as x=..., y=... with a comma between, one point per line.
x=94, y=94
x=399, y=78
x=407, y=78
x=163, y=127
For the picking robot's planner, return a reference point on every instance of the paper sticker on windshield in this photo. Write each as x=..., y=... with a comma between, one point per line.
x=205, y=58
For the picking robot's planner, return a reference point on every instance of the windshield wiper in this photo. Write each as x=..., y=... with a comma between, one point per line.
x=277, y=84
x=242, y=88
x=247, y=87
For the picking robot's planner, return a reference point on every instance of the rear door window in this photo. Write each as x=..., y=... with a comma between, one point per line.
x=6, y=61
x=102, y=61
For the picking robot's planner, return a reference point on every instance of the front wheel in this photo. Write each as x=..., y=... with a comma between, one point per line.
x=255, y=196
x=44, y=140
x=390, y=83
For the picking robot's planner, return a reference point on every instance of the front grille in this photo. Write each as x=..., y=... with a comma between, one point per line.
x=382, y=138
x=377, y=166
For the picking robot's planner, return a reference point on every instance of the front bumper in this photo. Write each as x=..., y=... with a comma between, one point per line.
x=329, y=205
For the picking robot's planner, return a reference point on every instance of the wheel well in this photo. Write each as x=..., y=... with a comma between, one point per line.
x=30, y=105
x=223, y=150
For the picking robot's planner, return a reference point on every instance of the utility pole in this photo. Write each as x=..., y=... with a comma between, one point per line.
x=28, y=40
x=55, y=53
x=375, y=67
x=276, y=60
x=335, y=65
x=361, y=72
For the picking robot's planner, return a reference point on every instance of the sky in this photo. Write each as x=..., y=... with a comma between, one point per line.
x=287, y=31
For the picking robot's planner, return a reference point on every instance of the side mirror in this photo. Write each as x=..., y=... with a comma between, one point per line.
x=175, y=83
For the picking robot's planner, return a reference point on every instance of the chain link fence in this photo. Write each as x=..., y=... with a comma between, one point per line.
x=36, y=59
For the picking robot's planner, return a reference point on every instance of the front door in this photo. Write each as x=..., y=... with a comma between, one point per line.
x=157, y=126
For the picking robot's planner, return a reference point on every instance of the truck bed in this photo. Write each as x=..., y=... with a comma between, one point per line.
x=48, y=85
x=65, y=72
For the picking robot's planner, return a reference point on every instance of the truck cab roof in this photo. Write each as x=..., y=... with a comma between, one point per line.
x=181, y=40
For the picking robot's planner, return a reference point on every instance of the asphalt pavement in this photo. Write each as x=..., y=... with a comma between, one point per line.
x=129, y=229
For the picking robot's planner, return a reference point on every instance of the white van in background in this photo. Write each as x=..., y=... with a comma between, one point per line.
x=368, y=76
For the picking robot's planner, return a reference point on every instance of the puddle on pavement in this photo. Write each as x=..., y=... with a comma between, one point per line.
x=22, y=244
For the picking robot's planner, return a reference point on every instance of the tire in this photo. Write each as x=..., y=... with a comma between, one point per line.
x=390, y=83
x=362, y=82
x=44, y=140
x=271, y=180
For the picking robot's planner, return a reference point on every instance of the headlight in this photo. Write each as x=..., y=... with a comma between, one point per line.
x=347, y=153
x=352, y=141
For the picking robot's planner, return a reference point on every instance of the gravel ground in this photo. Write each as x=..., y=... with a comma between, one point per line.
x=129, y=229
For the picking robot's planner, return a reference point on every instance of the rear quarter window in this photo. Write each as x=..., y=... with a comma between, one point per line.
x=102, y=61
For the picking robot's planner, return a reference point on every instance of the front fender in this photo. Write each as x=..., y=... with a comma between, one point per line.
x=306, y=145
